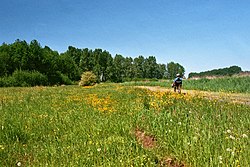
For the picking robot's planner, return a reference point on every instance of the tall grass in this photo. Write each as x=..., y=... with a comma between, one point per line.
x=227, y=84
x=94, y=126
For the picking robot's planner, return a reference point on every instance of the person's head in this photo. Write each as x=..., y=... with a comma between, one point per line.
x=178, y=75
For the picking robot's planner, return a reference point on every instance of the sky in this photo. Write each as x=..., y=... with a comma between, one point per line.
x=200, y=35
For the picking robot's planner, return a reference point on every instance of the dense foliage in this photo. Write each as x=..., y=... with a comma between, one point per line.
x=175, y=68
x=228, y=71
x=88, y=78
x=67, y=67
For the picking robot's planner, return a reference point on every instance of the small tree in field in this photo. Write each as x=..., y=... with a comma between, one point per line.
x=88, y=79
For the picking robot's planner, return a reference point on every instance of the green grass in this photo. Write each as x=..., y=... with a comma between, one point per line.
x=227, y=84
x=75, y=126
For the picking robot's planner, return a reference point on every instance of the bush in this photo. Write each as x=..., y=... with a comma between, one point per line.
x=7, y=81
x=88, y=79
x=29, y=78
x=58, y=78
x=24, y=78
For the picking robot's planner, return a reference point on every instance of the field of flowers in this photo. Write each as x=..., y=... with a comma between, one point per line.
x=108, y=125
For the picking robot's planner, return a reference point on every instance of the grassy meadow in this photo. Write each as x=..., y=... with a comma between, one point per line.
x=226, y=84
x=107, y=125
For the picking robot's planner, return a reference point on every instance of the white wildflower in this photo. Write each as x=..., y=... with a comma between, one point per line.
x=18, y=164
x=244, y=136
x=195, y=138
x=229, y=149
x=220, y=159
x=232, y=137
x=99, y=149
x=229, y=131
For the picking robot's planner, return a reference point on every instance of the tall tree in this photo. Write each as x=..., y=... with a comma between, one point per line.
x=87, y=60
x=19, y=53
x=139, y=67
x=68, y=67
x=129, y=68
x=173, y=69
x=105, y=62
x=5, y=60
x=75, y=53
x=96, y=59
x=118, y=68
x=35, y=56
x=161, y=71
x=150, y=67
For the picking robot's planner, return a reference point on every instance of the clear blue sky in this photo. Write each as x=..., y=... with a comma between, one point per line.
x=199, y=34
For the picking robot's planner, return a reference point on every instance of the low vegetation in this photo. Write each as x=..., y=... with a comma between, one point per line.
x=228, y=71
x=106, y=125
x=225, y=84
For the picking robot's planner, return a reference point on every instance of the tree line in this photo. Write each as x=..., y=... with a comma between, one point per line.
x=228, y=71
x=33, y=64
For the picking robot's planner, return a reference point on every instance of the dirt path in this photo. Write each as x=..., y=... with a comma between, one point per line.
x=231, y=97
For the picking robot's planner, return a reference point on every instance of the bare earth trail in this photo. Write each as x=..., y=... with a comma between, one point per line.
x=230, y=97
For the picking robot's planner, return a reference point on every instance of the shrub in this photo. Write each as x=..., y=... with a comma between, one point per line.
x=88, y=79
x=29, y=78
x=65, y=79
x=58, y=78
x=7, y=81
x=24, y=78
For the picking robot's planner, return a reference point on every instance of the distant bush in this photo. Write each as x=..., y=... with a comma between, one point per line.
x=7, y=81
x=88, y=79
x=217, y=72
x=34, y=78
x=58, y=78
x=65, y=79
x=29, y=78
x=24, y=78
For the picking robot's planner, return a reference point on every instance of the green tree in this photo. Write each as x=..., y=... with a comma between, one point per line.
x=129, y=71
x=86, y=60
x=19, y=53
x=68, y=67
x=96, y=59
x=75, y=54
x=139, y=67
x=228, y=71
x=161, y=71
x=5, y=60
x=150, y=67
x=118, y=68
x=35, y=56
x=51, y=65
x=173, y=69
x=105, y=61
